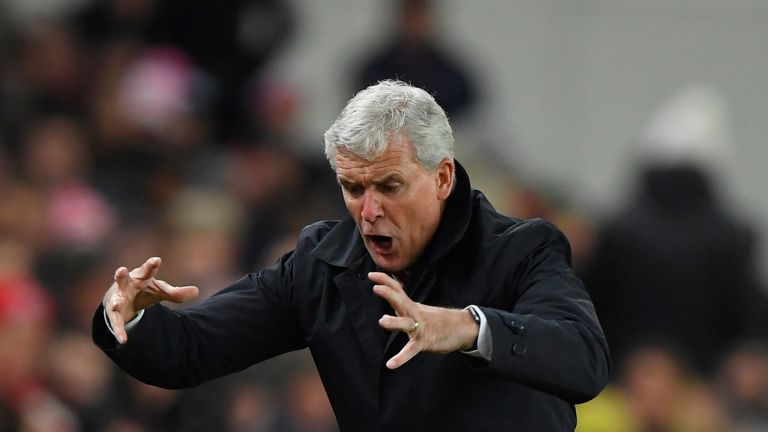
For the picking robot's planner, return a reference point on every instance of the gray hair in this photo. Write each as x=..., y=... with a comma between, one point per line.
x=387, y=110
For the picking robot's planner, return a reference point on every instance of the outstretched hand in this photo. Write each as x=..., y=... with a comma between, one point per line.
x=137, y=290
x=429, y=328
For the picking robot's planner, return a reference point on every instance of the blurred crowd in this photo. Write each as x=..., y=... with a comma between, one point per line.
x=138, y=128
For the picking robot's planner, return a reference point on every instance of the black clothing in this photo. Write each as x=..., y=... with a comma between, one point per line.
x=674, y=269
x=549, y=351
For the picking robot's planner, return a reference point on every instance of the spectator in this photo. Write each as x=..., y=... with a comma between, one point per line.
x=414, y=55
x=663, y=395
x=675, y=265
x=743, y=386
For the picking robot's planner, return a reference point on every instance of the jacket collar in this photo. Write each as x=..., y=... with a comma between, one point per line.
x=343, y=246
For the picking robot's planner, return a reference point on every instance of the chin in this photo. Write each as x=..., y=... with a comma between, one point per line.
x=388, y=266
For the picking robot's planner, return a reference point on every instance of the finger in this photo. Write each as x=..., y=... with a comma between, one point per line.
x=403, y=324
x=385, y=279
x=116, y=320
x=121, y=278
x=399, y=301
x=177, y=294
x=147, y=270
x=408, y=352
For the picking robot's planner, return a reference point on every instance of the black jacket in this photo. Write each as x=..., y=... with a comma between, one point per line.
x=676, y=269
x=549, y=351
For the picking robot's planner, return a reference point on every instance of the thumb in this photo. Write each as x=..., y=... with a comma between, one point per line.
x=177, y=294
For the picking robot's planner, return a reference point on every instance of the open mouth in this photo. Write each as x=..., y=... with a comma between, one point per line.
x=380, y=242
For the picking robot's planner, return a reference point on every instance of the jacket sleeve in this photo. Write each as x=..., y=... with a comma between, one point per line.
x=248, y=322
x=551, y=339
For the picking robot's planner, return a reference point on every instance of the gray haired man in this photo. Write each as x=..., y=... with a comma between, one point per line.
x=424, y=308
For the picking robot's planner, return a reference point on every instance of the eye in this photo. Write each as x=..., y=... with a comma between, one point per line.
x=354, y=190
x=390, y=188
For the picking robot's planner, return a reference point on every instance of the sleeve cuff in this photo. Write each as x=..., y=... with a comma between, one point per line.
x=484, y=344
x=128, y=326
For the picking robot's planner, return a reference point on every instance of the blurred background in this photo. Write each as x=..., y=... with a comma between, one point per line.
x=191, y=131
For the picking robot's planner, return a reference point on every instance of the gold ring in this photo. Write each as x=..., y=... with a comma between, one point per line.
x=415, y=327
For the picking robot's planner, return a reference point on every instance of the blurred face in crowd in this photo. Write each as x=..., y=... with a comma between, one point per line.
x=395, y=201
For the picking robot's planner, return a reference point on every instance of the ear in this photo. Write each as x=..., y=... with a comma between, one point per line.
x=445, y=178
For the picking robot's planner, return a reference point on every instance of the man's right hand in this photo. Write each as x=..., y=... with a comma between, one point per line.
x=137, y=290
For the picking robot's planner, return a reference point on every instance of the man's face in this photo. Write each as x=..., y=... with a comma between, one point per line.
x=395, y=202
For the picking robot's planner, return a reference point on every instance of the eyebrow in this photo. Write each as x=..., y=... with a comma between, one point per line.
x=344, y=182
x=386, y=179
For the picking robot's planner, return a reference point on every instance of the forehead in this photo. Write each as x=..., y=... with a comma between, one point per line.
x=399, y=158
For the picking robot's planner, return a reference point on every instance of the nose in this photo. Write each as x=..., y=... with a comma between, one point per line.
x=371, y=207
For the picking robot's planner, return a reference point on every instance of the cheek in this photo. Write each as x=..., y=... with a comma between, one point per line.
x=349, y=202
x=425, y=205
x=421, y=215
x=353, y=208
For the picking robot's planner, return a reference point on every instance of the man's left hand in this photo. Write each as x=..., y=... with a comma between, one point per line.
x=429, y=328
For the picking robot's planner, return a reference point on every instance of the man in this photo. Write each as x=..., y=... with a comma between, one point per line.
x=424, y=309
